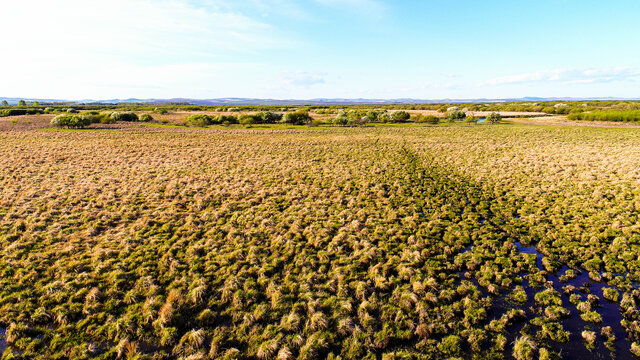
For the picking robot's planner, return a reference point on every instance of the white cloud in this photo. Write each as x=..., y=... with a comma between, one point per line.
x=303, y=79
x=80, y=49
x=569, y=76
x=364, y=7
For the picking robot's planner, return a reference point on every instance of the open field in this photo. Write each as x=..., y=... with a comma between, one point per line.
x=140, y=241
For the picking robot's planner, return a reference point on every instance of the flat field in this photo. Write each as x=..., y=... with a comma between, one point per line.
x=457, y=241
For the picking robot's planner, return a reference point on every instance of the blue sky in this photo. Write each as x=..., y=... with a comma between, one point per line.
x=430, y=49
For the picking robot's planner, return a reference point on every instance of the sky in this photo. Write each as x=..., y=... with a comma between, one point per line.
x=286, y=49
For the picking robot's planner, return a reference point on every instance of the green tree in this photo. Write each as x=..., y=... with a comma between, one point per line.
x=456, y=115
x=5, y=103
x=400, y=116
x=494, y=117
x=297, y=118
x=22, y=103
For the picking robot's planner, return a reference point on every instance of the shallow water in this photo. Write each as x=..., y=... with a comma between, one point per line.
x=575, y=348
x=3, y=341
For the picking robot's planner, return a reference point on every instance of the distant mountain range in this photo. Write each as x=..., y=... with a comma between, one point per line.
x=317, y=101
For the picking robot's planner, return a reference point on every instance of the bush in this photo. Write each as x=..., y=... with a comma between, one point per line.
x=268, y=117
x=341, y=119
x=472, y=119
x=225, y=119
x=200, y=120
x=400, y=116
x=612, y=115
x=247, y=120
x=161, y=111
x=96, y=117
x=71, y=121
x=494, y=117
x=427, y=119
x=456, y=115
x=124, y=116
x=315, y=123
x=17, y=112
x=299, y=117
x=146, y=118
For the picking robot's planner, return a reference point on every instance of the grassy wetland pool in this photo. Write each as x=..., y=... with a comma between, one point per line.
x=441, y=242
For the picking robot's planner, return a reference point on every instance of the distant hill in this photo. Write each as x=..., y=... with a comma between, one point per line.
x=317, y=101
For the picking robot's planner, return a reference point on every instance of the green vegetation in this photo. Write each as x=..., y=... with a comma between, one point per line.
x=71, y=121
x=456, y=115
x=612, y=115
x=124, y=116
x=524, y=348
x=299, y=117
x=395, y=241
x=146, y=118
x=494, y=118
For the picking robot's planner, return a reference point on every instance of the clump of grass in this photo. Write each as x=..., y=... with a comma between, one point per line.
x=589, y=338
x=611, y=294
x=524, y=348
x=518, y=295
x=591, y=317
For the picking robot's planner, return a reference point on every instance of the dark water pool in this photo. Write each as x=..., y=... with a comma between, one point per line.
x=3, y=340
x=575, y=348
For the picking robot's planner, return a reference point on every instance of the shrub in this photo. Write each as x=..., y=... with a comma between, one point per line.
x=456, y=115
x=472, y=119
x=16, y=112
x=225, y=119
x=146, y=118
x=71, y=121
x=494, y=118
x=124, y=116
x=199, y=120
x=341, y=119
x=247, y=120
x=299, y=117
x=161, y=111
x=268, y=117
x=611, y=115
x=427, y=119
x=400, y=116
x=105, y=117
x=315, y=123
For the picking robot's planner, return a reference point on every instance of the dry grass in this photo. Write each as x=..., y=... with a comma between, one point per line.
x=299, y=243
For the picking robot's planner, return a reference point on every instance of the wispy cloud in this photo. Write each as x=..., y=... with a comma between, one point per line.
x=303, y=79
x=366, y=7
x=570, y=76
x=78, y=46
